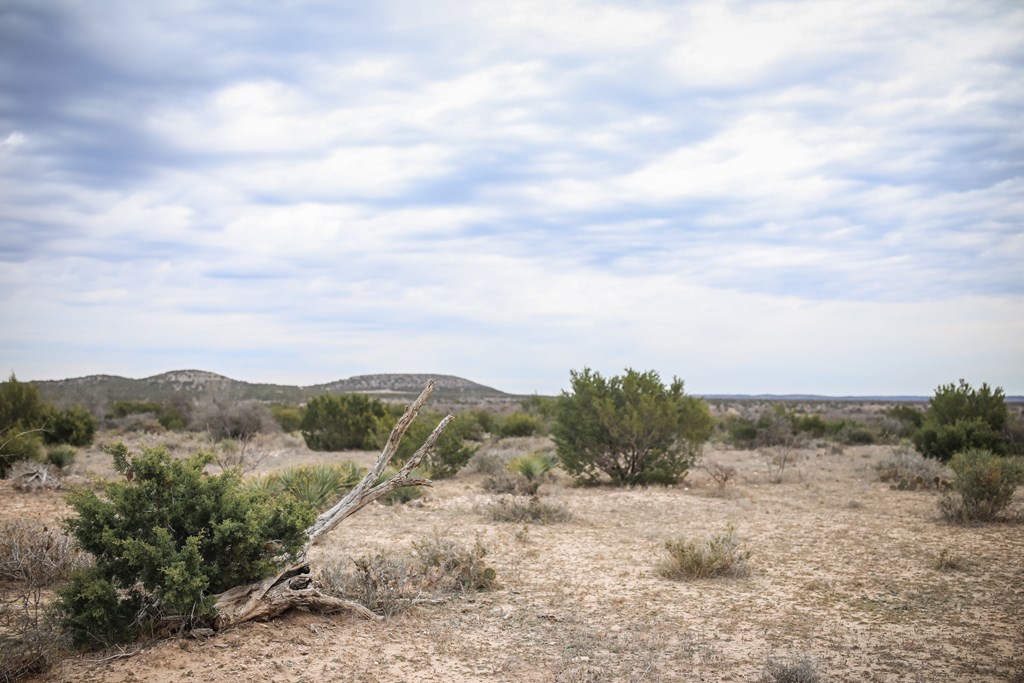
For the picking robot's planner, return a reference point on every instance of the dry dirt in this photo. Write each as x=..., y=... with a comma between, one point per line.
x=844, y=572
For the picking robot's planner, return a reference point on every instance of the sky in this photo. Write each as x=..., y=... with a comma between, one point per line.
x=756, y=197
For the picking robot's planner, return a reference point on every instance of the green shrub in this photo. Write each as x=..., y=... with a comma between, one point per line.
x=174, y=537
x=632, y=428
x=289, y=417
x=16, y=446
x=75, y=426
x=95, y=614
x=61, y=456
x=22, y=417
x=983, y=487
x=518, y=424
x=959, y=418
x=344, y=422
x=738, y=431
x=719, y=555
x=533, y=466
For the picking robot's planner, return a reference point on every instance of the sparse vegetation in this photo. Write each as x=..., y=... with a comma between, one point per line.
x=983, y=487
x=390, y=584
x=718, y=555
x=631, y=428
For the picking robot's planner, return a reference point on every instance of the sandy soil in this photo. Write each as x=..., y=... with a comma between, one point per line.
x=844, y=572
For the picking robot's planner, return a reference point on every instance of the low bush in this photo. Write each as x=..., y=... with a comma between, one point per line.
x=342, y=422
x=518, y=424
x=288, y=417
x=75, y=426
x=719, y=555
x=983, y=487
x=17, y=445
x=909, y=470
x=451, y=566
x=35, y=554
x=528, y=509
x=61, y=456
x=170, y=538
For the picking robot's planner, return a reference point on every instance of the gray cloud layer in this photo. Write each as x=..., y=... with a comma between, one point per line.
x=755, y=196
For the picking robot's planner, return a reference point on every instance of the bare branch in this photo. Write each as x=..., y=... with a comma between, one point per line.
x=367, y=490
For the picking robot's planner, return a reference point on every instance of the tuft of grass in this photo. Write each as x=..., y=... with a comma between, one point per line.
x=520, y=509
x=719, y=555
x=799, y=670
x=947, y=561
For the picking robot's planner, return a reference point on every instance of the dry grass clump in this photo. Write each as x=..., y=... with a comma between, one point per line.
x=531, y=509
x=800, y=670
x=719, y=555
x=36, y=555
x=32, y=557
x=947, y=561
x=390, y=584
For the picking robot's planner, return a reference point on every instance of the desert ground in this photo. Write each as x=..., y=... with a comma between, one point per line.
x=845, y=573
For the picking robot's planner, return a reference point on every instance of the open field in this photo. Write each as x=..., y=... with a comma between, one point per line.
x=845, y=571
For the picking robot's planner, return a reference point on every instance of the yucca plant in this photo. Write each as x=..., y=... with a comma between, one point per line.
x=532, y=467
x=318, y=486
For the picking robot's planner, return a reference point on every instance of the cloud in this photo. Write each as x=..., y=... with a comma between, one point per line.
x=758, y=197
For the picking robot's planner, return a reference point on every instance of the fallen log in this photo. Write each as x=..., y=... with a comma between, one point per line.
x=293, y=587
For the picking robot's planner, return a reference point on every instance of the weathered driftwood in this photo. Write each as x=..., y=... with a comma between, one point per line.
x=293, y=586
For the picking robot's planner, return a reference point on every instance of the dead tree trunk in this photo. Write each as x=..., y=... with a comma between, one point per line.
x=293, y=586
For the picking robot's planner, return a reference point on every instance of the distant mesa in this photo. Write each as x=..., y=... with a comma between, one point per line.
x=200, y=384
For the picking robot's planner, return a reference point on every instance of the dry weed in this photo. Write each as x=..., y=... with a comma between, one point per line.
x=531, y=509
x=719, y=555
